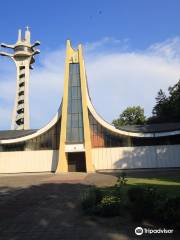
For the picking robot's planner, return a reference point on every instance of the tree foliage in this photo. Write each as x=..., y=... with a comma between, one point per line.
x=130, y=116
x=167, y=108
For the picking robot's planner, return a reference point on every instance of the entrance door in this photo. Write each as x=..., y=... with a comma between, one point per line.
x=76, y=162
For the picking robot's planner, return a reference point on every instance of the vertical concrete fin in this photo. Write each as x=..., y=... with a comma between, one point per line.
x=86, y=124
x=62, y=163
x=19, y=35
x=27, y=35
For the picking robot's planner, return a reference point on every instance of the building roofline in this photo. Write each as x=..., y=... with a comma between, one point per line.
x=37, y=133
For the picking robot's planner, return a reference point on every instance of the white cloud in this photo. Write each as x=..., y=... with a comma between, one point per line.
x=128, y=79
x=106, y=44
x=117, y=77
x=169, y=49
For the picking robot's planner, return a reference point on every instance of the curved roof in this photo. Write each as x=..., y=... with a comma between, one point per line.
x=12, y=134
x=15, y=136
x=152, y=128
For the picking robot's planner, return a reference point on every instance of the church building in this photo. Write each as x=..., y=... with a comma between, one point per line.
x=77, y=139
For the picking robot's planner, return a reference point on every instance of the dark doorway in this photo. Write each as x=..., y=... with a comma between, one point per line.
x=76, y=162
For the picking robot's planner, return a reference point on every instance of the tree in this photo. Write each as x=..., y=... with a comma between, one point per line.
x=174, y=101
x=130, y=116
x=161, y=109
x=167, y=109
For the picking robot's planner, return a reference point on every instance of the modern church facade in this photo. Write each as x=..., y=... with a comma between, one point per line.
x=78, y=139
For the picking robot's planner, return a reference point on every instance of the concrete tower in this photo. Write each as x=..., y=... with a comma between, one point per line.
x=75, y=135
x=23, y=56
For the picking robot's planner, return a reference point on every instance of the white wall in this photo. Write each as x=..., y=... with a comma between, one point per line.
x=28, y=161
x=136, y=157
x=103, y=158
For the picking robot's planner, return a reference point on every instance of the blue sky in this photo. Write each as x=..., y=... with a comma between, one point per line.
x=131, y=49
x=143, y=22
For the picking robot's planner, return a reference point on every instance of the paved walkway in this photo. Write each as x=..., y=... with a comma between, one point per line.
x=47, y=207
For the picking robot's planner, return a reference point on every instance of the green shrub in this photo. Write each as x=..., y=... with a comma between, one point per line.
x=151, y=204
x=144, y=202
x=90, y=199
x=136, y=202
x=117, y=191
x=170, y=211
x=99, y=202
x=109, y=206
x=122, y=180
x=135, y=194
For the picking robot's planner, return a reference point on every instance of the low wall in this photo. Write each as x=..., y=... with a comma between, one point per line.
x=136, y=157
x=28, y=161
x=103, y=158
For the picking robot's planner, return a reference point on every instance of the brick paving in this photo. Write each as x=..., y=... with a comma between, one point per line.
x=47, y=206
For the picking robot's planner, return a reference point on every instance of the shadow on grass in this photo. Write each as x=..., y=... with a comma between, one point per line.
x=163, y=173
x=169, y=190
x=173, y=178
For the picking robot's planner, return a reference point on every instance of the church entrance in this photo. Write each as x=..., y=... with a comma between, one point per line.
x=76, y=162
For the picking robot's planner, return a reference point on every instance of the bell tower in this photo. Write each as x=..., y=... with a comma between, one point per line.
x=22, y=52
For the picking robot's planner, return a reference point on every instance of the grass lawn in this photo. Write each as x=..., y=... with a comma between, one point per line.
x=168, y=183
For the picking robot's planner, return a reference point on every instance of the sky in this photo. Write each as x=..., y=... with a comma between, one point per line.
x=131, y=50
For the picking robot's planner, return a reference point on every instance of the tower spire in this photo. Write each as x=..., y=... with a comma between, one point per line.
x=23, y=56
x=19, y=35
x=27, y=34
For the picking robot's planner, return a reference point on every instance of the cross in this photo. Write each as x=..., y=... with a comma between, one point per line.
x=27, y=28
